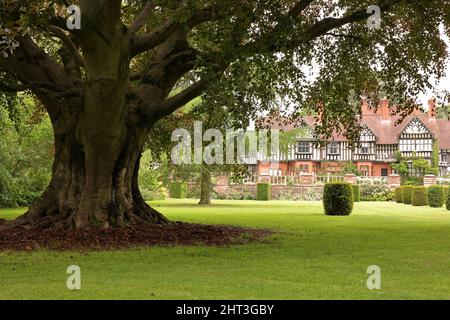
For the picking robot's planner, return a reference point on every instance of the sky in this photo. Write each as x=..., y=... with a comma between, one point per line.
x=444, y=83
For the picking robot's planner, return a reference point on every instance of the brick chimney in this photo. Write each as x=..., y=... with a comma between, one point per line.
x=432, y=108
x=365, y=107
x=383, y=109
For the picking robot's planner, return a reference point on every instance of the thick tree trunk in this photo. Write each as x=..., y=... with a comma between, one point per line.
x=205, y=186
x=103, y=195
x=99, y=137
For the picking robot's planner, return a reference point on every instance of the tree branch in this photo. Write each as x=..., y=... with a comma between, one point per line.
x=41, y=74
x=142, y=43
x=177, y=101
x=298, y=8
x=145, y=42
x=328, y=24
x=140, y=21
x=67, y=42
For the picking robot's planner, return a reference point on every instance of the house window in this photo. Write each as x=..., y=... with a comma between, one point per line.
x=384, y=172
x=410, y=145
x=275, y=172
x=304, y=147
x=364, y=170
x=364, y=148
x=333, y=148
x=303, y=168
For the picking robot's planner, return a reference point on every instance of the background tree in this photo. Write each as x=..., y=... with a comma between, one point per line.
x=443, y=112
x=106, y=85
x=26, y=149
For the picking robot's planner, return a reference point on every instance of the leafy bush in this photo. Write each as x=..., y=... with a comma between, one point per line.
x=376, y=190
x=412, y=181
x=152, y=194
x=233, y=195
x=178, y=190
x=436, y=196
x=263, y=191
x=338, y=199
x=26, y=148
x=419, y=197
x=407, y=194
x=398, y=195
x=356, y=193
x=448, y=199
x=291, y=195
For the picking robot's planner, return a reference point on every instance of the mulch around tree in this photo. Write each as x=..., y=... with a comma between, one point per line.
x=173, y=234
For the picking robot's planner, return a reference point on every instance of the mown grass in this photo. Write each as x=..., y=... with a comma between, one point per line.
x=310, y=256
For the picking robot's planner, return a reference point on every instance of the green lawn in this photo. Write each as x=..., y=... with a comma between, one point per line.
x=311, y=256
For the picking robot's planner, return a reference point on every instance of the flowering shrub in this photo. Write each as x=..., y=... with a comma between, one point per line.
x=291, y=195
x=233, y=195
x=376, y=190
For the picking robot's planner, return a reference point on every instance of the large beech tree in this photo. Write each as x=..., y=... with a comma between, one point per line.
x=105, y=85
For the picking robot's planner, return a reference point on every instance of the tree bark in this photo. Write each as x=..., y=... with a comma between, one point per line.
x=94, y=184
x=205, y=186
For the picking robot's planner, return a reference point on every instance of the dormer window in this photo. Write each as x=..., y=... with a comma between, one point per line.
x=304, y=147
x=333, y=148
x=364, y=148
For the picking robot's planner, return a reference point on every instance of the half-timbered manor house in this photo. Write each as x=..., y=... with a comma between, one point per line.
x=380, y=140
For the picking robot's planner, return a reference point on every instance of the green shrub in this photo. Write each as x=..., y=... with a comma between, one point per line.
x=398, y=195
x=356, y=193
x=263, y=191
x=376, y=190
x=419, y=197
x=448, y=199
x=412, y=181
x=233, y=195
x=407, y=194
x=178, y=190
x=436, y=196
x=338, y=199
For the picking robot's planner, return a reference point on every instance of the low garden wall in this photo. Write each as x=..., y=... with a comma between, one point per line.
x=370, y=189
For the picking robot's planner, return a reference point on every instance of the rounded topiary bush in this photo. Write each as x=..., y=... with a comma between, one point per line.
x=419, y=197
x=407, y=194
x=436, y=196
x=356, y=193
x=338, y=199
x=398, y=195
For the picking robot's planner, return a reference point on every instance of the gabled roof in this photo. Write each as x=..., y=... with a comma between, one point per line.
x=406, y=124
x=386, y=131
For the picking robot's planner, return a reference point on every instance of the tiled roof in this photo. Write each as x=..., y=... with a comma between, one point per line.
x=386, y=131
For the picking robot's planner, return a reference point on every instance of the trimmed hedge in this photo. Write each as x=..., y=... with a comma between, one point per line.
x=448, y=198
x=178, y=190
x=407, y=194
x=419, y=197
x=338, y=199
x=436, y=196
x=263, y=191
x=356, y=193
x=398, y=195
